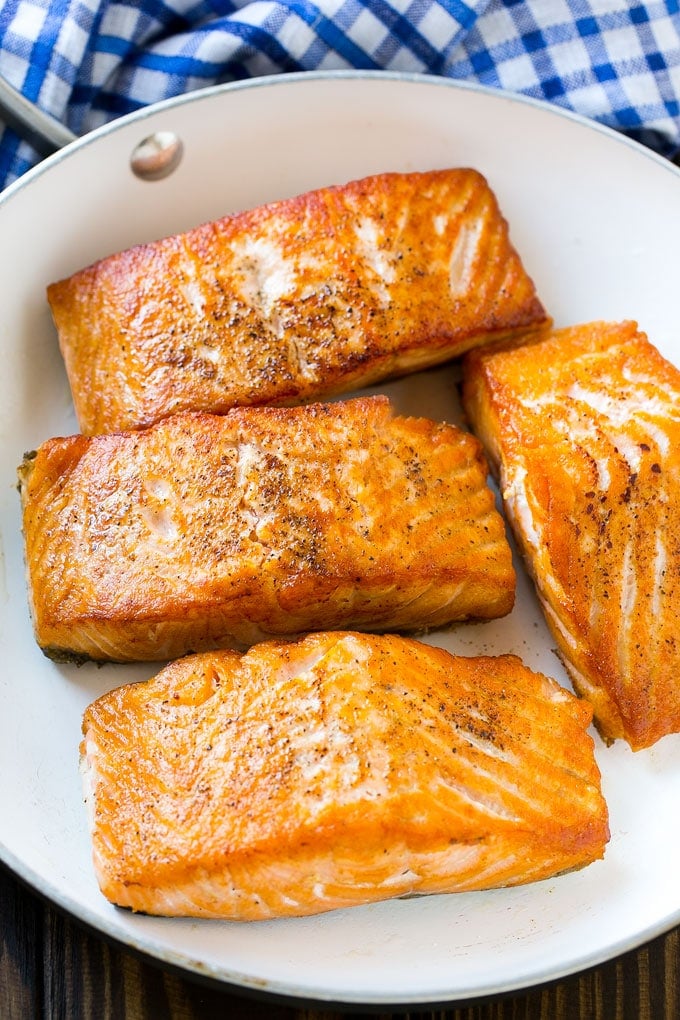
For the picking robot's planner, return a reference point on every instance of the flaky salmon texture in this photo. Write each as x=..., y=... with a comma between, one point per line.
x=334, y=771
x=296, y=300
x=583, y=427
x=209, y=531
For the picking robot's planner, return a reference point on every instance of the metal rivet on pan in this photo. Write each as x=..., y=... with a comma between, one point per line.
x=156, y=156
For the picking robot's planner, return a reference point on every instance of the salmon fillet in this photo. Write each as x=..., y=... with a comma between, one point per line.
x=209, y=530
x=339, y=770
x=292, y=301
x=583, y=427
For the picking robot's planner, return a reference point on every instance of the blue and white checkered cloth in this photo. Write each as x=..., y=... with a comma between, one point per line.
x=86, y=62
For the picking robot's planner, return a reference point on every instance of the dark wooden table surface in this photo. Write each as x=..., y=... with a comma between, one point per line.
x=52, y=968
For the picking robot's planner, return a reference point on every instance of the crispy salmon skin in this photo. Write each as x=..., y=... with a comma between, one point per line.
x=300, y=299
x=583, y=427
x=339, y=770
x=218, y=530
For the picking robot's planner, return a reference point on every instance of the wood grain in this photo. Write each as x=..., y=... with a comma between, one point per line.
x=52, y=968
x=21, y=918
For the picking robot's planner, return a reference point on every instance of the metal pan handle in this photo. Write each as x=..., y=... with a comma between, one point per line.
x=152, y=159
x=43, y=132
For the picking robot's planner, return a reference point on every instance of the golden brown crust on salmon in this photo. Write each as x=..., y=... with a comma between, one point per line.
x=295, y=300
x=339, y=770
x=207, y=530
x=583, y=426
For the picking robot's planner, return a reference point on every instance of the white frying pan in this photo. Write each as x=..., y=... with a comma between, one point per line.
x=597, y=221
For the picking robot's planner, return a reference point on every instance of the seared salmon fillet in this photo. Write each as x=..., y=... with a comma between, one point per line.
x=293, y=301
x=218, y=530
x=339, y=770
x=583, y=427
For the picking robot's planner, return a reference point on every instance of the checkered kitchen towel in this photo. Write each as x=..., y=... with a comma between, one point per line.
x=86, y=61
